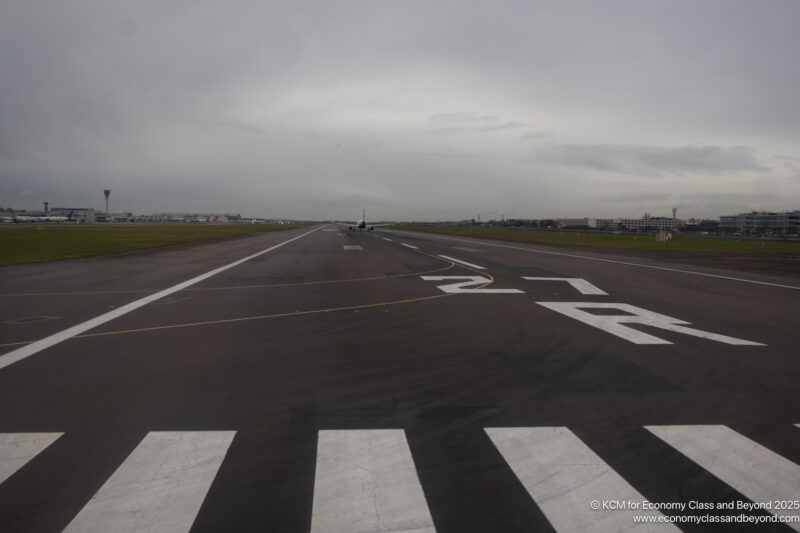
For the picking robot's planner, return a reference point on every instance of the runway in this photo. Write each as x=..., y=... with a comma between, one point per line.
x=326, y=380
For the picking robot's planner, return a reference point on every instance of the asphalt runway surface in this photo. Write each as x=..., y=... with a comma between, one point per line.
x=391, y=381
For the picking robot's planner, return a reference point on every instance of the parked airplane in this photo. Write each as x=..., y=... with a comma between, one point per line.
x=22, y=218
x=47, y=218
x=57, y=218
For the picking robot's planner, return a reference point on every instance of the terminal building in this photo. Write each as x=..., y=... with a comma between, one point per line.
x=759, y=222
x=646, y=223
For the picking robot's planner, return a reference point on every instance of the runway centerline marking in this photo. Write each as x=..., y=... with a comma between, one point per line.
x=459, y=261
x=626, y=263
x=42, y=344
x=409, y=246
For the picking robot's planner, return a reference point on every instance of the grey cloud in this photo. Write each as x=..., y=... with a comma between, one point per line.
x=652, y=160
x=536, y=136
x=639, y=197
x=462, y=121
x=200, y=105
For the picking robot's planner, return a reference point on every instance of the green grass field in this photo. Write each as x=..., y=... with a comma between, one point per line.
x=645, y=243
x=35, y=243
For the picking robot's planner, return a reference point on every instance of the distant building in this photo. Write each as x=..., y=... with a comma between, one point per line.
x=577, y=223
x=79, y=214
x=755, y=222
x=645, y=223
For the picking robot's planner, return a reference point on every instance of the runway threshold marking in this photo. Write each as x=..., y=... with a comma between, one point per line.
x=366, y=480
x=757, y=472
x=626, y=263
x=459, y=261
x=16, y=449
x=562, y=474
x=160, y=486
x=42, y=344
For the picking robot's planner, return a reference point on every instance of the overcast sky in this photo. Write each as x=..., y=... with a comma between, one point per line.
x=414, y=110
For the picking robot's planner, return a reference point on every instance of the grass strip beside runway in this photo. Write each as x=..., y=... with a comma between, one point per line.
x=643, y=242
x=36, y=243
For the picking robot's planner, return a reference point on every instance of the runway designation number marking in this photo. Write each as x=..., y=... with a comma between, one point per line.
x=458, y=288
x=581, y=285
x=615, y=324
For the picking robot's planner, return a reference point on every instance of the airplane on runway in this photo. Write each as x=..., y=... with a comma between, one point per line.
x=362, y=224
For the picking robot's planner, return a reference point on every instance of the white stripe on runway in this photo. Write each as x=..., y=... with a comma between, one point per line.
x=16, y=449
x=564, y=477
x=579, y=284
x=385, y=239
x=35, y=347
x=409, y=246
x=760, y=474
x=352, y=247
x=160, y=486
x=462, y=262
x=366, y=481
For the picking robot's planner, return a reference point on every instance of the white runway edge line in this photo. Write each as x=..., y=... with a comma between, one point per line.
x=16, y=449
x=160, y=486
x=626, y=263
x=758, y=473
x=563, y=475
x=35, y=347
x=462, y=262
x=366, y=481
